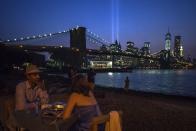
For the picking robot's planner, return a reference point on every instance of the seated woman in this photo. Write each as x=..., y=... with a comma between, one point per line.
x=83, y=103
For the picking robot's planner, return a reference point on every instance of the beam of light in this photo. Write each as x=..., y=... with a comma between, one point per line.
x=112, y=20
x=115, y=20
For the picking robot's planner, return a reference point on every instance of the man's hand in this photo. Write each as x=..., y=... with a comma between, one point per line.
x=44, y=97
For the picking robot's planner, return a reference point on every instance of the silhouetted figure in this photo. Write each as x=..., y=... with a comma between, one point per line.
x=126, y=87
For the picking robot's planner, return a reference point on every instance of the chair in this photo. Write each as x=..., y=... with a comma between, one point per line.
x=9, y=106
x=102, y=120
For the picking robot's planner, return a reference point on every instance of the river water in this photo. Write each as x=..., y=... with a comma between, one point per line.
x=173, y=82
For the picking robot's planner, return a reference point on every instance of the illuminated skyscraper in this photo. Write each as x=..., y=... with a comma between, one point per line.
x=178, y=49
x=116, y=47
x=130, y=48
x=147, y=46
x=168, y=41
x=181, y=51
x=146, y=49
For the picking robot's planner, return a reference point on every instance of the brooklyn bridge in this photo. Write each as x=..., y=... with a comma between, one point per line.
x=79, y=47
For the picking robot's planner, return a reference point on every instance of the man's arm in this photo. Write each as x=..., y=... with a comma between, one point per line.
x=43, y=95
x=20, y=97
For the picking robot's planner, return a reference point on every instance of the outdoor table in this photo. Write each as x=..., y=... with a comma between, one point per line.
x=51, y=111
x=49, y=116
x=40, y=121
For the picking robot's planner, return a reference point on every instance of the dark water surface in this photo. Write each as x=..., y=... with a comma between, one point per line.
x=175, y=82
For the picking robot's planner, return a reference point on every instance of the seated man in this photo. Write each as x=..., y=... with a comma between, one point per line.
x=30, y=91
x=30, y=94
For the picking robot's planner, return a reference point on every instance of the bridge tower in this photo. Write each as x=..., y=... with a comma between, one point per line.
x=78, y=44
x=78, y=38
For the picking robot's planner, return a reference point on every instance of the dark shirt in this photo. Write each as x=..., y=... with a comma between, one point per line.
x=85, y=116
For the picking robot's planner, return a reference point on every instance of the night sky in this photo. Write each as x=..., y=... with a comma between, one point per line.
x=125, y=20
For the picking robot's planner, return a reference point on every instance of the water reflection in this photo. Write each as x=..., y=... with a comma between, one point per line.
x=110, y=73
x=179, y=82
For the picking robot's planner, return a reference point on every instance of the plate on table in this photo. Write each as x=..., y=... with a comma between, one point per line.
x=58, y=106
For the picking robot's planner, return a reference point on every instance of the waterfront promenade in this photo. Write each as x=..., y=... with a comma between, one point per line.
x=141, y=111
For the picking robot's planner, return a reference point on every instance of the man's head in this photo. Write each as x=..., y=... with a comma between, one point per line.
x=32, y=73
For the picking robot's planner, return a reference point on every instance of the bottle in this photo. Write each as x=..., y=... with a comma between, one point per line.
x=37, y=102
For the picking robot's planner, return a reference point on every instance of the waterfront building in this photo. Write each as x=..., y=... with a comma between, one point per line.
x=172, y=53
x=131, y=49
x=103, y=48
x=189, y=59
x=100, y=64
x=116, y=47
x=178, y=48
x=168, y=41
x=130, y=44
x=144, y=51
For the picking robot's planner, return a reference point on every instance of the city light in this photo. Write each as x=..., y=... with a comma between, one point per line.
x=77, y=49
x=110, y=73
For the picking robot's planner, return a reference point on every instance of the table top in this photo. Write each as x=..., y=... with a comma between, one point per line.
x=52, y=109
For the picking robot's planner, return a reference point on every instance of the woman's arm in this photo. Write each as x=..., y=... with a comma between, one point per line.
x=70, y=105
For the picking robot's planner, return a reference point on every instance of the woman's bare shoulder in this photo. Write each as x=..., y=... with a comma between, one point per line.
x=75, y=95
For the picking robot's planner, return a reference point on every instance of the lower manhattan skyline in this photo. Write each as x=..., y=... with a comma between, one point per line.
x=124, y=20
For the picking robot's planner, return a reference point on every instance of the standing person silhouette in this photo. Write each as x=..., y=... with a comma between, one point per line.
x=126, y=87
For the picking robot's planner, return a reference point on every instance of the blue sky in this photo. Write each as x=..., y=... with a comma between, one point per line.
x=133, y=20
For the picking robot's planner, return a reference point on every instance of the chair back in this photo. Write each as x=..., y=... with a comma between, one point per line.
x=7, y=107
x=102, y=120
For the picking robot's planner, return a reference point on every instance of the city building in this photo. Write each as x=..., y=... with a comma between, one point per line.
x=116, y=47
x=168, y=41
x=131, y=49
x=103, y=48
x=130, y=44
x=100, y=64
x=178, y=48
x=144, y=51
